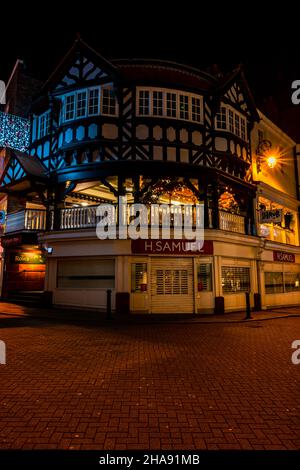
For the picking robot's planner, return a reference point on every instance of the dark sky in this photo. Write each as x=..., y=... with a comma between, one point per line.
x=268, y=45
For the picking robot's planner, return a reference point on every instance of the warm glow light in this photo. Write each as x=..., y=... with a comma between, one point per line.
x=271, y=161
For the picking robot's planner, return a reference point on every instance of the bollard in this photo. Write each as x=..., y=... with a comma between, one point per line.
x=108, y=304
x=248, y=311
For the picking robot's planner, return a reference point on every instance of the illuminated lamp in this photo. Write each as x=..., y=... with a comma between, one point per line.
x=271, y=161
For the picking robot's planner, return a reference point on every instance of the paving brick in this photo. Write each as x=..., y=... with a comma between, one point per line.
x=149, y=386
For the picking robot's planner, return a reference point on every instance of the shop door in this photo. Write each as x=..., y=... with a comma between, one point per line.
x=172, y=286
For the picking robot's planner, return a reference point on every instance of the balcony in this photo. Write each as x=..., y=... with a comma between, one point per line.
x=86, y=217
x=27, y=219
x=231, y=222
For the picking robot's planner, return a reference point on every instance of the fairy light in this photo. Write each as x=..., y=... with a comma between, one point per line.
x=14, y=132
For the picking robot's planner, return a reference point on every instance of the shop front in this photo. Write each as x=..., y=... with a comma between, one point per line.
x=280, y=277
x=24, y=265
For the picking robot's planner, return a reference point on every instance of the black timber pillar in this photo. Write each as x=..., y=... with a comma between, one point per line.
x=214, y=204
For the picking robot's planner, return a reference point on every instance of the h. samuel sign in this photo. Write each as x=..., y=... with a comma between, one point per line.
x=283, y=257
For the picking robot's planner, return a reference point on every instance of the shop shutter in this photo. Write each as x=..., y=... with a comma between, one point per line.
x=172, y=286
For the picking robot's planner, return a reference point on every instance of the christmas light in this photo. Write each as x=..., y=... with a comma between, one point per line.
x=14, y=132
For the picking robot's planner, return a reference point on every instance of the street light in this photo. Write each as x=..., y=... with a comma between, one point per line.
x=271, y=161
x=265, y=154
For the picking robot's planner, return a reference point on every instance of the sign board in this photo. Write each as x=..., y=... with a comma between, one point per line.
x=27, y=258
x=171, y=247
x=272, y=216
x=284, y=257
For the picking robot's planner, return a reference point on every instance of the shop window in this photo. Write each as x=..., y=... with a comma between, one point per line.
x=139, y=277
x=235, y=279
x=85, y=274
x=291, y=282
x=204, y=277
x=274, y=283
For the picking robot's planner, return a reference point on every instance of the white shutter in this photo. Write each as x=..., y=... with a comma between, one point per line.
x=172, y=286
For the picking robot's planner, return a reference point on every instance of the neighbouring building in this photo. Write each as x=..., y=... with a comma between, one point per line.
x=155, y=132
x=14, y=132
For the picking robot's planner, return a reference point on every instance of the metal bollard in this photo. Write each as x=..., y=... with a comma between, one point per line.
x=248, y=310
x=108, y=304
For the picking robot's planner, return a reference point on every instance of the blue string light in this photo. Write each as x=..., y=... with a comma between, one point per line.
x=14, y=132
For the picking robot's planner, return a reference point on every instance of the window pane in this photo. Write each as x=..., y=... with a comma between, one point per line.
x=231, y=124
x=273, y=283
x=144, y=103
x=44, y=124
x=221, y=118
x=108, y=101
x=237, y=125
x=196, y=109
x=235, y=279
x=204, y=277
x=171, y=105
x=81, y=104
x=83, y=274
x=184, y=106
x=69, y=107
x=93, y=102
x=291, y=282
x=139, y=277
x=243, y=129
x=157, y=103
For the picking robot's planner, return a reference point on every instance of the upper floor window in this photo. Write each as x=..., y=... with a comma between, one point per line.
x=221, y=119
x=184, y=106
x=144, y=103
x=229, y=120
x=84, y=103
x=109, y=105
x=196, y=109
x=158, y=109
x=70, y=107
x=44, y=125
x=94, y=102
x=171, y=104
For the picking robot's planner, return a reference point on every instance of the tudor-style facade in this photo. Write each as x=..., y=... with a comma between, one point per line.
x=153, y=131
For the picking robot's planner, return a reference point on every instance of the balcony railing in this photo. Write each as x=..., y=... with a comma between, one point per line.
x=28, y=219
x=85, y=217
x=231, y=222
x=78, y=217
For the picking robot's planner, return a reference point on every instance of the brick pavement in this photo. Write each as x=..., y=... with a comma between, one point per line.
x=149, y=386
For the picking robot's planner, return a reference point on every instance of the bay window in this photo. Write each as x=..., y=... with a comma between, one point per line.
x=170, y=104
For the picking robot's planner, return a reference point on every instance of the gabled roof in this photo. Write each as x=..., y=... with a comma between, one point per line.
x=21, y=165
x=80, y=63
x=235, y=84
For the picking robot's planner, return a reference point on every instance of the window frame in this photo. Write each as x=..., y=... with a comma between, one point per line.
x=45, y=119
x=235, y=122
x=235, y=268
x=168, y=97
x=87, y=92
x=108, y=87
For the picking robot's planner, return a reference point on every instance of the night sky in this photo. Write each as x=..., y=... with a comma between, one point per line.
x=266, y=44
